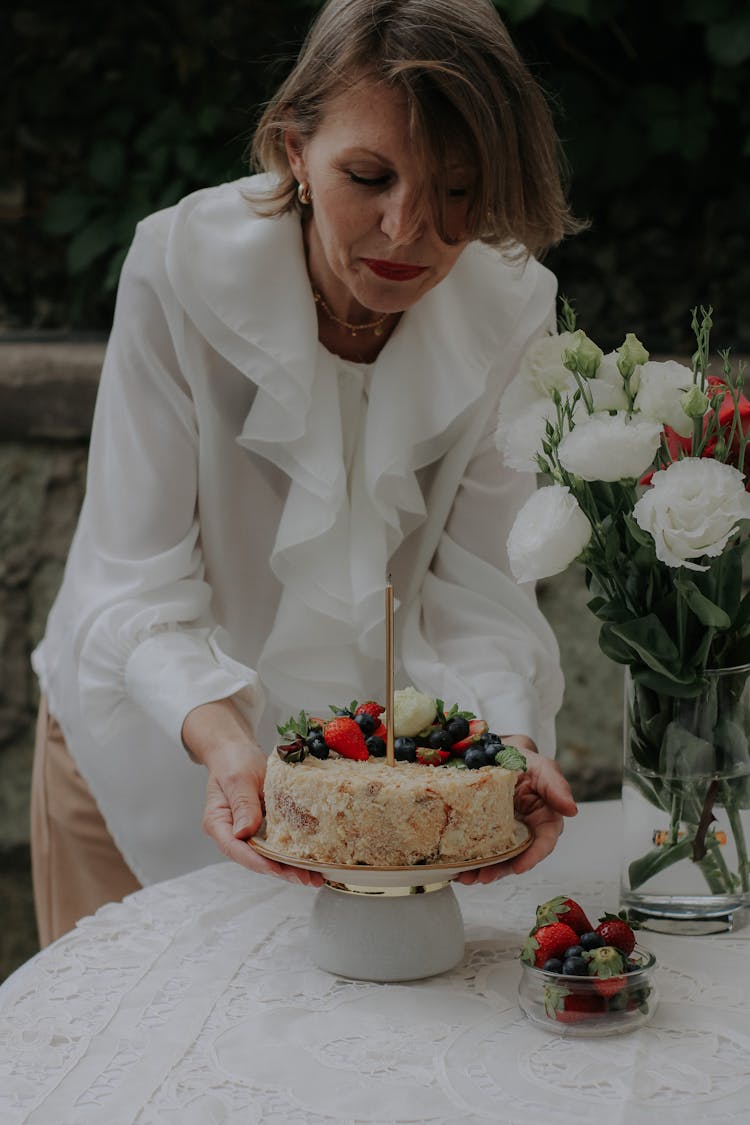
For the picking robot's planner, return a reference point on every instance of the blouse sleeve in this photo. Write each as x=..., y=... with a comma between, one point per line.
x=476, y=637
x=146, y=635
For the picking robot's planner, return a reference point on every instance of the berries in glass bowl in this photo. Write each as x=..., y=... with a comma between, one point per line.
x=576, y=981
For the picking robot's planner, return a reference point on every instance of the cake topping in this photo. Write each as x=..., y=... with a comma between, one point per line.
x=440, y=736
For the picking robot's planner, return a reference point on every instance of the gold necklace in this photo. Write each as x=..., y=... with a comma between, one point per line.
x=376, y=326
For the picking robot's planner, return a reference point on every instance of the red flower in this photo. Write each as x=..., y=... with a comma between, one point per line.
x=716, y=388
x=678, y=445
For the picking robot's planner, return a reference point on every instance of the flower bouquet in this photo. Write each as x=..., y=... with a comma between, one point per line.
x=646, y=462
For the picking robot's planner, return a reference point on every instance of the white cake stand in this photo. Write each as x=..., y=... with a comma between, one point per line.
x=389, y=923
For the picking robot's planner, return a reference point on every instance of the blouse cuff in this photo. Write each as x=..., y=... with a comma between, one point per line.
x=514, y=709
x=170, y=673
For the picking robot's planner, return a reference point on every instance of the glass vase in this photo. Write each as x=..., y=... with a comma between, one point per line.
x=686, y=805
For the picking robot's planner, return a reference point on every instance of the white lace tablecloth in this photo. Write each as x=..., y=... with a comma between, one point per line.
x=194, y=1002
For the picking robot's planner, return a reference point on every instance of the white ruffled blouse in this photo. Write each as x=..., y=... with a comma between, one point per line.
x=248, y=493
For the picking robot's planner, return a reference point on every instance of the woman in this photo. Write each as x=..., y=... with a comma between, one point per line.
x=299, y=395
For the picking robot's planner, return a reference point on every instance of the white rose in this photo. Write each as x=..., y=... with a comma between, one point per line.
x=610, y=447
x=548, y=533
x=660, y=394
x=692, y=509
x=412, y=712
x=542, y=364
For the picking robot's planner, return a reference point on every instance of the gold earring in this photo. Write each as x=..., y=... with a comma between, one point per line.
x=304, y=194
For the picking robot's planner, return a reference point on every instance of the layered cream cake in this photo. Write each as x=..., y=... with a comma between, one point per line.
x=340, y=810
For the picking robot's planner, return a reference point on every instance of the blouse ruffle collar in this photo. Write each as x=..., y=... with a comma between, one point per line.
x=242, y=280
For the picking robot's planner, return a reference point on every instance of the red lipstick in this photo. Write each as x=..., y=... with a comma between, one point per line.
x=393, y=271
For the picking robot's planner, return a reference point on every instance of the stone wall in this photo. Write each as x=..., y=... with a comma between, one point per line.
x=47, y=394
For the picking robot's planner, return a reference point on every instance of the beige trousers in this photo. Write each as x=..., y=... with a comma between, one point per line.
x=75, y=864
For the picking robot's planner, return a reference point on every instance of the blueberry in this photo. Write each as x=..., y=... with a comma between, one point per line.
x=474, y=758
x=318, y=748
x=575, y=967
x=573, y=951
x=489, y=751
x=553, y=965
x=440, y=740
x=591, y=940
x=366, y=723
x=457, y=728
x=405, y=749
x=375, y=746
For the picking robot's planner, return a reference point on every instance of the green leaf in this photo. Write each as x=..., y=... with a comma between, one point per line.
x=643, y=869
x=107, y=162
x=90, y=243
x=648, y=637
x=729, y=42
x=67, y=212
x=609, y=609
x=517, y=10
x=667, y=685
x=613, y=647
x=510, y=758
x=707, y=612
x=637, y=532
x=572, y=7
x=742, y=618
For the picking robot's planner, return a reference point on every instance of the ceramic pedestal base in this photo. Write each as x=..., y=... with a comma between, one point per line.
x=386, y=935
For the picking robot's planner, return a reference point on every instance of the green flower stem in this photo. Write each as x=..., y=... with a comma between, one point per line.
x=646, y=790
x=718, y=878
x=699, y=841
x=686, y=805
x=675, y=817
x=738, y=832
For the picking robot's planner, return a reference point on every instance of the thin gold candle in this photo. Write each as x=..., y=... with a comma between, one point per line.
x=390, y=756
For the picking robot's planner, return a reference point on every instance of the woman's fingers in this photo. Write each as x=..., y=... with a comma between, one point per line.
x=225, y=817
x=543, y=798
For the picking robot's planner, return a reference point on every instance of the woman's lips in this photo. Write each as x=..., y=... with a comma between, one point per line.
x=393, y=271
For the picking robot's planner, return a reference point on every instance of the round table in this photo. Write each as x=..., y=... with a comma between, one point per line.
x=195, y=1002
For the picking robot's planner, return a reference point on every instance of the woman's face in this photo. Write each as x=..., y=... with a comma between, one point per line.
x=372, y=243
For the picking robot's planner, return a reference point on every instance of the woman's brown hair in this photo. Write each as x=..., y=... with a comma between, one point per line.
x=468, y=92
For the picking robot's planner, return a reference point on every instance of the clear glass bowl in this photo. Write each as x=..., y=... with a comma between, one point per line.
x=577, y=1006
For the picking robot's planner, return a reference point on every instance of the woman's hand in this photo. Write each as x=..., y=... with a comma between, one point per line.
x=217, y=735
x=542, y=799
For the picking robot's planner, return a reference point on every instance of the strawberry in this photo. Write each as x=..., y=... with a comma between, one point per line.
x=562, y=909
x=617, y=931
x=571, y=1007
x=477, y=727
x=548, y=941
x=344, y=736
x=370, y=708
x=606, y=965
x=380, y=731
x=430, y=757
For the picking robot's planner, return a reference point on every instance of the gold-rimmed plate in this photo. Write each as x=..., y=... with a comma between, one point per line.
x=421, y=874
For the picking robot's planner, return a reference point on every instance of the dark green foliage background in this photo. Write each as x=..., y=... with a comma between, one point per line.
x=112, y=111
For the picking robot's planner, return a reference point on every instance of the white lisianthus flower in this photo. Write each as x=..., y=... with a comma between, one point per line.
x=610, y=447
x=519, y=437
x=582, y=354
x=692, y=510
x=630, y=355
x=542, y=364
x=549, y=532
x=412, y=712
x=661, y=394
x=609, y=384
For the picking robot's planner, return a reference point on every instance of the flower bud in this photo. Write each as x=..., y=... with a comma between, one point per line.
x=630, y=355
x=694, y=402
x=584, y=356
